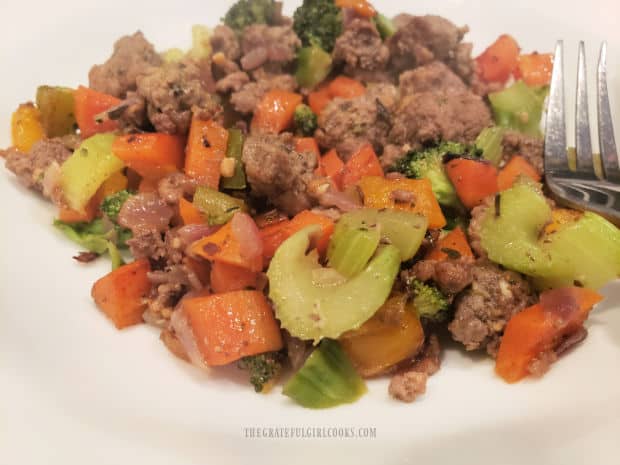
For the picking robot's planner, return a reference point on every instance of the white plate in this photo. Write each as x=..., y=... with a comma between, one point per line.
x=73, y=390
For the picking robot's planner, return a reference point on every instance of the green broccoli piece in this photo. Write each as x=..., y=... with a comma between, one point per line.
x=247, y=12
x=305, y=120
x=112, y=204
x=318, y=22
x=429, y=301
x=263, y=368
x=428, y=163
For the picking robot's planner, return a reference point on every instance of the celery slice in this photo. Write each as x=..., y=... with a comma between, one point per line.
x=219, y=207
x=90, y=165
x=313, y=311
x=490, y=142
x=385, y=26
x=519, y=107
x=234, y=150
x=327, y=379
x=402, y=229
x=350, y=248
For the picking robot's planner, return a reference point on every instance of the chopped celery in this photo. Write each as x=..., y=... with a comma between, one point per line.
x=313, y=66
x=172, y=55
x=327, y=379
x=585, y=252
x=115, y=255
x=234, y=150
x=350, y=248
x=219, y=207
x=201, y=42
x=90, y=165
x=512, y=227
x=56, y=107
x=489, y=141
x=385, y=26
x=519, y=107
x=313, y=312
x=402, y=229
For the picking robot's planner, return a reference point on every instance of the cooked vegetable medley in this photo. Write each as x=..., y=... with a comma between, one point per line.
x=325, y=196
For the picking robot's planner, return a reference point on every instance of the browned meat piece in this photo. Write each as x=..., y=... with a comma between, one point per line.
x=530, y=148
x=30, y=168
x=433, y=77
x=233, y=82
x=276, y=171
x=147, y=244
x=393, y=153
x=422, y=39
x=346, y=124
x=410, y=382
x=408, y=385
x=133, y=56
x=224, y=40
x=430, y=117
x=246, y=99
x=268, y=44
x=451, y=276
x=462, y=63
x=360, y=47
x=174, y=186
x=481, y=313
x=174, y=92
x=473, y=231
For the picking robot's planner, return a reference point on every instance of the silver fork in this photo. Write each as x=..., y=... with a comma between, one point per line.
x=581, y=188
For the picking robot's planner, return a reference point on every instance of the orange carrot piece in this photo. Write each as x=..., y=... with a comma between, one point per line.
x=517, y=166
x=535, y=69
x=332, y=167
x=363, y=163
x=361, y=7
x=307, y=144
x=319, y=99
x=474, y=180
x=275, y=111
x=152, y=155
x=497, y=62
x=455, y=241
x=539, y=328
x=274, y=235
x=345, y=87
x=229, y=326
x=223, y=246
x=120, y=294
x=206, y=148
x=227, y=278
x=88, y=104
x=189, y=213
x=378, y=193
x=68, y=215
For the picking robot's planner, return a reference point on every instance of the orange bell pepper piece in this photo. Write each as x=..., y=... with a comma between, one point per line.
x=378, y=193
x=88, y=104
x=499, y=60
x=26, y=127
x=363, y=163
x=227, y=278
x=275, y=111
x=152, y=155
x=517, y=166
x=535, y=69
x=474, y=180
x=455, y=241
x=361, y=7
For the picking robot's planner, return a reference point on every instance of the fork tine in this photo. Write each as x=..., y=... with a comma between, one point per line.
x=556, y=159
x=609, y=153
x=583, y=143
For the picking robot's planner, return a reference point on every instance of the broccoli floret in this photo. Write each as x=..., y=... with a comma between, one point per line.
x=305, y=120
x=247, y=12
x=263, y=368
x=111, y=205
x=318, y=22
x=428, y=163
x=429, y=301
